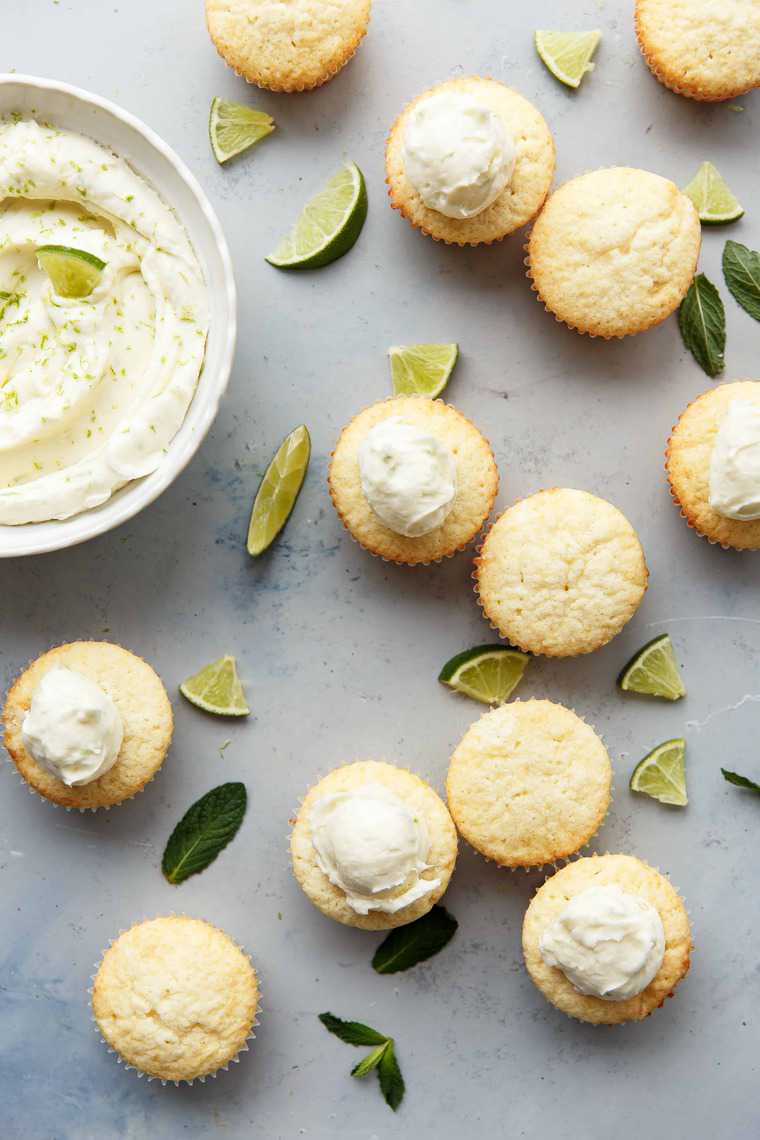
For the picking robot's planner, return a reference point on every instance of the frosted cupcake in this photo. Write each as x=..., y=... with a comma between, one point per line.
x=529, y=783
x=412, y=480
x=88, y=724
x=713, y=465
x=469, y=161
x=560, y=573
x=287, y=47
x=701, y=49
x=175, y=998
x=607, y=939
x=614, y=252
x=373, y=846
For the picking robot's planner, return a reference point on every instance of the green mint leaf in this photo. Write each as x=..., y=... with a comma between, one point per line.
x=391, y=1081
x=368, y=1063
x=741, y=269
x=407, y=945
x=702, y=321
x=204, y=830
x=740, y=781
x=352, y=1032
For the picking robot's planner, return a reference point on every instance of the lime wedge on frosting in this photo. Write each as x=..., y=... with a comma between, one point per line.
x=74, y=273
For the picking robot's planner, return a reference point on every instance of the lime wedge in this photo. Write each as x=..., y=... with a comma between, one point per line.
x=422, y=369
x=278, y=490
x=654, y=671
x=568, y=54
x=662, y=775
x=73, y=272
x=487, y=673
x=216, y=688
x=715, y=203
x=233, y=128
x=328, y=225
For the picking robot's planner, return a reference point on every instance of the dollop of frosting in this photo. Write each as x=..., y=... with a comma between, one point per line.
x=735, y=463
x=457, y=154
x=409, y=477
x=372, y=847
x=73, y=728
x=607, y=942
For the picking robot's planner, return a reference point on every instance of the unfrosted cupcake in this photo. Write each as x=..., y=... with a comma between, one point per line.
x=88, y=724
x=529, y=783
x=560, y=573
x=699, y=48
x=287, y=47
x=469, y=161
x=607, y=939
x=412, y=479
x=175, y=998
x=613, y=252
x=373, y=845
x=713, y=464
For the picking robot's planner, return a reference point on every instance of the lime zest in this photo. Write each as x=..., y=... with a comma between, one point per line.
x=487, y=673
x=662, y=773
x=217, y=689
x=278, y=490
x=74, y=273
x=328, y=225
x=422, y=369
x=653, y=670
x=567, y=54
x=234, y=128
x=714, y=200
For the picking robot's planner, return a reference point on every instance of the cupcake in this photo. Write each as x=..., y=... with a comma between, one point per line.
x=614, y=252
x=469, y=161
x=560, y=573
x=701, y=49
x=713, y=465
x=373, y=846
x=175, y=998
x=88, y=724
x=412, y=480
x=529, y=783
x=607, y=939
x=287, y=47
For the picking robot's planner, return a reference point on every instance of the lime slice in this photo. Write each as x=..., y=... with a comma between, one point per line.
x=662, y=774
x=216, y=688
x=568, y=54
x=422, y=369
x=715, y=203
x=654, y=671
x=234, y=128
x=487, y=673
x=278, y=490
x=73, y=272
x=328, y=225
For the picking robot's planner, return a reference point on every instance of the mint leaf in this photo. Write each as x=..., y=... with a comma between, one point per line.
x=741, y=269
x=352, y=1032
x=368, y=1063
x=740, y=781
x=407, y=945
x=204, y=830
x=702, y=321
x=391, y=1081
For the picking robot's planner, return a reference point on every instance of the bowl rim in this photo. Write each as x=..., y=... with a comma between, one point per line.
x=124, y=504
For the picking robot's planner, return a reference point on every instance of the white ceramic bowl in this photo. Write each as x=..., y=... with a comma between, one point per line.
x=76, y=110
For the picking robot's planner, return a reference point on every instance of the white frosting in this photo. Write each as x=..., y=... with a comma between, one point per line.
x=735, y=464
x=72, y=728
x=457, y=154
x=372, y=847
x=608, y=943
x=408, y=476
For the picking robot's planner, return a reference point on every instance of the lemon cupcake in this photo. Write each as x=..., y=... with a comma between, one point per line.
x=701, y=49
x=613, y=252
x=713, y=465
x=412, y=479
x=88, y=724
x=469, y=161
x=287, y=47
x=175, y=998
x=529, y=783
x=560, y=573
x=373, y=845
x=607, y=939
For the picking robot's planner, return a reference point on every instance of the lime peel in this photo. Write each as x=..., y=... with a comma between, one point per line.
x=279, y=490
x=567, y=55
x=487, y=673
x=653, y=670
x=422, y=369
x=217, y=689
x=662, y=773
